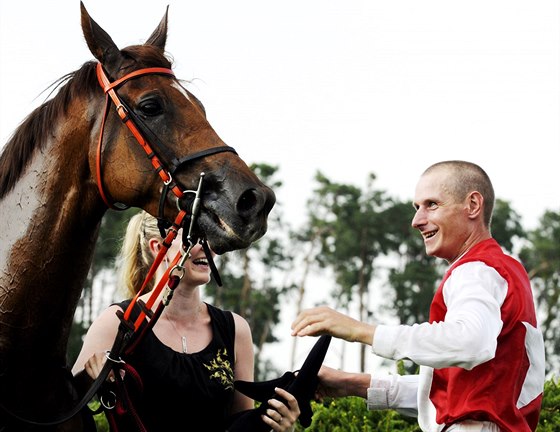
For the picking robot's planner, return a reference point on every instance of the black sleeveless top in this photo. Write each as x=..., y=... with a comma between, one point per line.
x=184, y=390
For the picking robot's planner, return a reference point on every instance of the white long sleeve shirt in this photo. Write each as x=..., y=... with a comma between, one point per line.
x=473, y=294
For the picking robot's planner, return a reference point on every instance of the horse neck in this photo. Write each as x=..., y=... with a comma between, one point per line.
x=50, y=222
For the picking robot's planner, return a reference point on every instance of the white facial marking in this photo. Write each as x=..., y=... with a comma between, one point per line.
x=182, y=90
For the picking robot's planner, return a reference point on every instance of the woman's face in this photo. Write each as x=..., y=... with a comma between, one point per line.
x=196, y=266
x=197, y=270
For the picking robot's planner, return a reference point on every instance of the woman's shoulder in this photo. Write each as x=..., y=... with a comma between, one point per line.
x=240, y=321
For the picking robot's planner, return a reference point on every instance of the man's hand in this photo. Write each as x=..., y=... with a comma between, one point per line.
x=324, y=320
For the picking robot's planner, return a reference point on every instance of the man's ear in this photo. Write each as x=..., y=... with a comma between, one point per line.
x=475, y=203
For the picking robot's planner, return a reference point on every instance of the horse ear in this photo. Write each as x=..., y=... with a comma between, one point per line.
x=159, y=36
x=99, y=42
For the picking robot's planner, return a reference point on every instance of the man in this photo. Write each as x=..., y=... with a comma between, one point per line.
x=481, y=355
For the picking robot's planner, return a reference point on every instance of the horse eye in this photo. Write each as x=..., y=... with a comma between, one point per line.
x=150, y=107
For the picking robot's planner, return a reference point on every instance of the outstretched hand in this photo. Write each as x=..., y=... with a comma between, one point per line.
x=330, y=384
x=324, y=320
x=335, y=383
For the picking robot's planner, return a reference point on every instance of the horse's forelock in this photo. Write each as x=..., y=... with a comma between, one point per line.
x=147, y=56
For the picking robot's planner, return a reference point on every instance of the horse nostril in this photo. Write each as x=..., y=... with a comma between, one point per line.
x=255, y=201
x=247, y=201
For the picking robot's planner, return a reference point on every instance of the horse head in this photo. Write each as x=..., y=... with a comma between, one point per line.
x=234, y=202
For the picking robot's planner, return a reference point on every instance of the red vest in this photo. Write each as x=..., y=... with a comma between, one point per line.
x=490, y=391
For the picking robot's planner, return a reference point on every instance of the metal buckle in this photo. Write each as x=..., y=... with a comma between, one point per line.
x=110, y=404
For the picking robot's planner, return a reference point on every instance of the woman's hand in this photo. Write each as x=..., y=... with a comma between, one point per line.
x=95, y=364
x=282, y=417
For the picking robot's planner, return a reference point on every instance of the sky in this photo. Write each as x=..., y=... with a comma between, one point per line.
x=347, y=88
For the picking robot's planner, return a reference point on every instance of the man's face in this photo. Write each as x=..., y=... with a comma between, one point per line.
x=440, y=218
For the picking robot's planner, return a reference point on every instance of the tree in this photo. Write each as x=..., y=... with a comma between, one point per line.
x=542, y=260
x=352, y=227
x=506, y=225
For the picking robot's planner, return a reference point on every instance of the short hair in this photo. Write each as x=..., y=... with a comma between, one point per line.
x=467, y=177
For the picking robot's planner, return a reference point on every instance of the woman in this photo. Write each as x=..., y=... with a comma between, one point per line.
x=190, y=359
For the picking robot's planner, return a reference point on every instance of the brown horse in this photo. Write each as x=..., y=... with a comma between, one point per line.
x=67, y=161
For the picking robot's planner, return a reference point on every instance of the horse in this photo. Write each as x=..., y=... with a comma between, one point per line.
x=70, y=160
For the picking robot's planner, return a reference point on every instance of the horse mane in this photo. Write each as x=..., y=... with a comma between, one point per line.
x=32, y=132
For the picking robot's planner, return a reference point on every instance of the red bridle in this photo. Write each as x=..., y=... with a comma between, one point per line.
x=109, y=89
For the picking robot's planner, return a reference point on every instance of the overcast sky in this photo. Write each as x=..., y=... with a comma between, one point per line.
x=346, y=87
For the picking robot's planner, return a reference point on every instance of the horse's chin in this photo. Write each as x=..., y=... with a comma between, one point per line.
x=223, y=237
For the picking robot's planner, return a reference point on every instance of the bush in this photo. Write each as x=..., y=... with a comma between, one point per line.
x=350, y=414
x=549, y=420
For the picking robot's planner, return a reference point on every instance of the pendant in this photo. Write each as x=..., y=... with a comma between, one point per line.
x=184, y=342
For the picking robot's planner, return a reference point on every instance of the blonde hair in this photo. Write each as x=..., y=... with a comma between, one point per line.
x=135, y=258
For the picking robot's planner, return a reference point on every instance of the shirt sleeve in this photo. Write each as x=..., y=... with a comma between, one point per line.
x=398, y=392
x=473, y=295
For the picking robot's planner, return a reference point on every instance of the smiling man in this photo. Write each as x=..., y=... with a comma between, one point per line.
x=481, y=354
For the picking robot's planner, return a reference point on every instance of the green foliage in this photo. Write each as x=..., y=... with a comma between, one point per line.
x=77, y=332
x=113, y=226
x=549, y=420
x=350, y=414
x=101, y=423
x=542, y=260
x=506, y=225
x=353, y=233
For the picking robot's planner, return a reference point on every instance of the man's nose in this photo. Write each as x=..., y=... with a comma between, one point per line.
x=419, y=218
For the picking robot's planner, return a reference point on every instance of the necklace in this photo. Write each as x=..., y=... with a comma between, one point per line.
x=183, y=338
